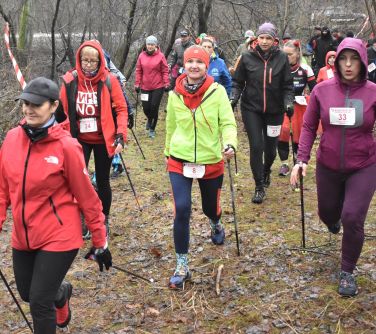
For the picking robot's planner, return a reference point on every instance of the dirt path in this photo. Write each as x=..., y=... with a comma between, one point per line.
x=273, y=287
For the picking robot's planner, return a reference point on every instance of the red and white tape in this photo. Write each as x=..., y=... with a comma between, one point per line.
x=19, y=75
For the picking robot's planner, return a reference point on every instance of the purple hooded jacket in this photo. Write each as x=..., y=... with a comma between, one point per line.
x=343, y=148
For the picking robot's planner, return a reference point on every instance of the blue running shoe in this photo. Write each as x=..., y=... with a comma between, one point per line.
x=218, y=235
x=177, y=281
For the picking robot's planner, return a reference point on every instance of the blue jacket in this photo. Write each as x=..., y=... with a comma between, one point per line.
x=218, y=70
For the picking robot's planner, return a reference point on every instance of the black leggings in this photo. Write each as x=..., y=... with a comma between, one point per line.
x=102, y=171
x=284, y=150
x=151, y=107
x=39, y=275
x=263, y=149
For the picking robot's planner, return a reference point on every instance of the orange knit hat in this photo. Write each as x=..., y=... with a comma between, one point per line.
x=196, y=51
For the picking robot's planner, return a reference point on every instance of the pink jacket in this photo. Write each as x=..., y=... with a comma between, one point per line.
x=151, y=71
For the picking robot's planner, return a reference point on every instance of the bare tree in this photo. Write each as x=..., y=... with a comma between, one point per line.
x=53, y=46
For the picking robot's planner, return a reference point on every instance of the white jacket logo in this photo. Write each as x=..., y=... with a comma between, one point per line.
x=52, y=160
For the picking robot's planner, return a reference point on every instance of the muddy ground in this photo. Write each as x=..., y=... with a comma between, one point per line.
x=273, y=287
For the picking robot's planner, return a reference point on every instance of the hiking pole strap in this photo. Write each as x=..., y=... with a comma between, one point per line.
x=130, y=181
x=233, y=205
x=15, y=300
x=138, y=144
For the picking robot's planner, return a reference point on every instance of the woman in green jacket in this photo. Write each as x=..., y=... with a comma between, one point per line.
x=199, y=114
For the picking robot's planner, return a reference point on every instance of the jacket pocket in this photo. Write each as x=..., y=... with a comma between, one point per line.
x=54, y=210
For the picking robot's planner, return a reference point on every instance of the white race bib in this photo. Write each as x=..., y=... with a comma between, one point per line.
x=330, y=73
x=301, y=100
x=371, y=67
x=273, y=130
x=193, y=171
x=88, y=125
x=145, y=97
x=342, y=116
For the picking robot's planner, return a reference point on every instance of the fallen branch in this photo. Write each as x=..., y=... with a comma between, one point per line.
x=219, y=272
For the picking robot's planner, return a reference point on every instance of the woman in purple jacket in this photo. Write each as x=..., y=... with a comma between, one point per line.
x=346, y=157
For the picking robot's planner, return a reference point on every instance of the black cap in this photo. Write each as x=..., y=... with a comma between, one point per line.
x=184, y=33
x=40, y=90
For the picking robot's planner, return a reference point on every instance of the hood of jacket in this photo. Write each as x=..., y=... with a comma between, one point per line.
x=328, y=55
x=355, y=44
x=102, y=62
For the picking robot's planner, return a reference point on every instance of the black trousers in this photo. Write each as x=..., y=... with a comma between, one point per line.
x=102, y=171
x=151, y=106
x=263, y=148
x=39, y=275
x=284, y=149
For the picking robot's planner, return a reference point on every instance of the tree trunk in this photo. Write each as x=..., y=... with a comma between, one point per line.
x=204, y=9
x=128, y=35
x=12, y=39
x=370, y=16
x=175, y=28
x=53, y=46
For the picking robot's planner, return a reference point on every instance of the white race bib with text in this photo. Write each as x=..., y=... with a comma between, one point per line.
x=342, y=116
x=193, y=171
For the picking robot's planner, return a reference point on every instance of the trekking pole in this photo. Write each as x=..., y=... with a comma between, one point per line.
x=302, y=205
x=130, y=181
x=135, y=113
x=15, y=300
x=233, y=205
x=133, y=274
x=138, y=144
x=292, y=142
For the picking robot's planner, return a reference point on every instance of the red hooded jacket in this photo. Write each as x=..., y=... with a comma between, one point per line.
x=327, y=72
x=46, y=184
x=106, y=127
x=151, y=71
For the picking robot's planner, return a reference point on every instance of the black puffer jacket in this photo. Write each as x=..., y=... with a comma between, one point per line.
x=265, y=85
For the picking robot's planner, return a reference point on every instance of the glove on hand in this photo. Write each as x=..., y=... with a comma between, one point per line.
x=167, y=89
x=130, y=120
x=289, y=110
x=102, y=256
x=119, y=139
x=137, y=89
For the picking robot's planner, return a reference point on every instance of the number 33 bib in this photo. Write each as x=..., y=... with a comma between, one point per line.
x=342, y=116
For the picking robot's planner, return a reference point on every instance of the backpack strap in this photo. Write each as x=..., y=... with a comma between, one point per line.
x=71, y=91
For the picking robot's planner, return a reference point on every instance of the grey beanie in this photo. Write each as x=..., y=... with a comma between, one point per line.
x=268, y=29
x=151, y=40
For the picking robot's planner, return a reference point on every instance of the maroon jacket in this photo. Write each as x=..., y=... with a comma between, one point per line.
x=342, y=147
x=151, y=71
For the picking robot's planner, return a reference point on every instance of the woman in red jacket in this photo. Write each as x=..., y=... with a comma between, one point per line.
x=44, y=180
x=89, y=95
x=327, y=72
x=151, y=80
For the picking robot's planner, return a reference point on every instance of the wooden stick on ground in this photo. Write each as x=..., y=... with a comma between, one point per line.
x=219, y=272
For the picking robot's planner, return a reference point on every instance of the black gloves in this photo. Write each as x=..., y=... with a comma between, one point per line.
x=289, y=109
x=119, y=139
x=137, y=89
x=102, y=256
x=130, y=119
x=167, y=89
